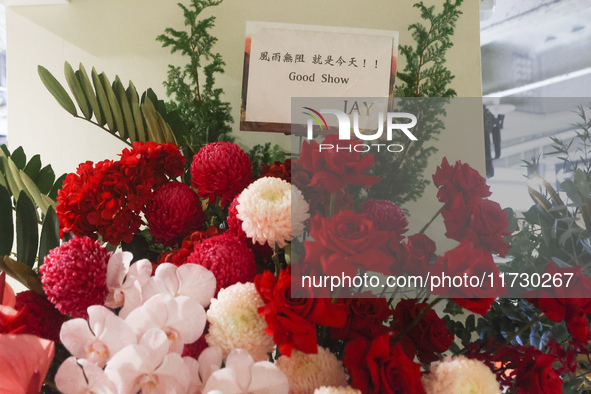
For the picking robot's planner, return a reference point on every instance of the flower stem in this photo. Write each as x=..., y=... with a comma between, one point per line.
x=276, y=251
x=524, y=328
x=431, y=221
x=416, y=320
x=333, y=198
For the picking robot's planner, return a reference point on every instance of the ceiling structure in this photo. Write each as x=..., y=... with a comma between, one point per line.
x=537, y=48
x=536, y=70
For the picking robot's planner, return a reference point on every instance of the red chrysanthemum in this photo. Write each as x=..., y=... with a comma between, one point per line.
x=174, y=212
x=227, y=257
x=221, y=169
x=43, y=319
x=74, y=276
x=385, y=215
x=179, y=256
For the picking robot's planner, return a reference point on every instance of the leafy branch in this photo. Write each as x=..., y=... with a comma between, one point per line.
x=425, y=74
x=423, y=78
x=199, y=104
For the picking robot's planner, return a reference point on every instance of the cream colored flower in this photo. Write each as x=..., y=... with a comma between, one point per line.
x=236, y=324
x=460, y=375
x=272, y=211
x=308, y=372
x=336, y=390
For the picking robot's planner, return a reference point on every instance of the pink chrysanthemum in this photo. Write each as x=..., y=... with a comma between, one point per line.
x=221, y=169
x=264, y=251
x=386, y=215
x=308, y=372
x=174, y=212
x=227, y=257
x=44, y=320
x=460, y=375
x=235, y=322
x=272, y=211
x=74, y=276
x=336, y=390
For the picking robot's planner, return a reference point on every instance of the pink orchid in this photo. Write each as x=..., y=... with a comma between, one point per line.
x=210, y=360
x=25, y=360
x=243, y=375
x=99, y=338
x=82, y=377
x=190, y=280
x=181, y=318
x=125, y=282
x=150, y=367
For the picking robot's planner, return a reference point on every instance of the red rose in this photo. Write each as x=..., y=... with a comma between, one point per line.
x=278, y=170
x=420, y=249
x=470, y=263
x=536, y=374
x=333, y=169
x=522, y=369
x=482, y=221
x=292, y=321
x=429, y=337
x=459, y=179
x=378, y=367
x=319, y=199
x=367, y=314
x=346, y=242
x=566, y=302
x=44, y=320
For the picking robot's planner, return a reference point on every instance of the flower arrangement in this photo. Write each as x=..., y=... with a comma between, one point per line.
x=217, y=309
x=180, y=268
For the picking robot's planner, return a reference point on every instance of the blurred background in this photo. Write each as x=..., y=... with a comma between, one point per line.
x=536, y=71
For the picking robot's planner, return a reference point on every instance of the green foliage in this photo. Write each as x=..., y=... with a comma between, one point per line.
x=27, y=197
x=264, y=154
x=116, y=109
x=557, y=228
x=198, y=102
x=17, y=175
x=424, y=76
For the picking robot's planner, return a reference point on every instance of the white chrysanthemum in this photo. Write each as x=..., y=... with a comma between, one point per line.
x=236, y=324
x=460, y=375
x=268, y=212
x=308, y=372
x=336, y=390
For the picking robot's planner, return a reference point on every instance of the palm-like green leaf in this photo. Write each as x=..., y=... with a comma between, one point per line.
x=111, y=106
x=27, y=233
